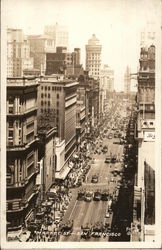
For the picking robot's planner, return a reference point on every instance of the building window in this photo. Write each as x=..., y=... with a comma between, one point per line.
x=11, y=100
x=41, y=87
x=10, y=172
x=45, y=87
x=48, y=103
x=57, y=111
x=45, y=95
x=10, y=110
x=53, y=88
x=49, y=88
x=48, y=95
x=9, y=206
x=11, y=124
x=57, y=96
x=10, y=134
x=42, y=95
x=42, y=103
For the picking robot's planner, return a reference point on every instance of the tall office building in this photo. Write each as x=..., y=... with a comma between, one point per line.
x=93, y=57
x=127, y=81
x=64, y=62
x=58, y=98
x=40, y=45
x=22, y=150
x=18, y=53
x=59, y=33
x=107, y=78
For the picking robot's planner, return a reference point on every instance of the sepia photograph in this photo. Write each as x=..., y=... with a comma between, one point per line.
x=80, y=124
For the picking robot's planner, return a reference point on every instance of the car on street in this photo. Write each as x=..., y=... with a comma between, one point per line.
x=114, y=159
x=112, y=179
x=107, y=215
x=110, y=136
x=94, y=178
x=57, y=220
x=88, y=196
x=108, y=159
x=97, y=196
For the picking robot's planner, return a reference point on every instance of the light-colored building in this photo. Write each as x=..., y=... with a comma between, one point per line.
x=40, y=45
x=57, y=101
x=148, y=35
x=22, y=150
x=93, y=57
x=58, y=33
x=127, y=81
x=18, y=53
x=46, y=155
x=107, y=78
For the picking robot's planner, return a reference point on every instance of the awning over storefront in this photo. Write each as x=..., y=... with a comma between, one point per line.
x=62, y=175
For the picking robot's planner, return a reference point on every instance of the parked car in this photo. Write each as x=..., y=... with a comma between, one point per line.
x=108, y=159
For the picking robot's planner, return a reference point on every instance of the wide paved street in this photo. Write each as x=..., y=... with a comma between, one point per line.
x=82, y=212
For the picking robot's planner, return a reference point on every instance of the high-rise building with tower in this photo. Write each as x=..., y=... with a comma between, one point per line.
x=93, y=56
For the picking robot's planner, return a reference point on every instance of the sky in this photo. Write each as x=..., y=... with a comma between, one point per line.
x=116, y=23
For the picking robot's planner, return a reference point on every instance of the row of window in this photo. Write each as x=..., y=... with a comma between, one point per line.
x=49, y=88
x=45, y=95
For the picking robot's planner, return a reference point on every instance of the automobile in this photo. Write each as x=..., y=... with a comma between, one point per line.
x=88, y=196
x=66, y=228
x=110, y=136
x=81, y=195
x=113, y=159
x=115, y=135
x=97, y=196
x=105, y=195
x=97, y=229
x=107, y=215
x=115, y=174
x=112, y=179
x=86, y=231
x=104, y=150
x=108, y=159
x=57, y=220
x=94, y=178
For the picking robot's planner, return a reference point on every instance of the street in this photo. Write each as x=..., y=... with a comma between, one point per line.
x=82, y=212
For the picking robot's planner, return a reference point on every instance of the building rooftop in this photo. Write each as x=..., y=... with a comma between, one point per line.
x=55, y=79
x=22, y=81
